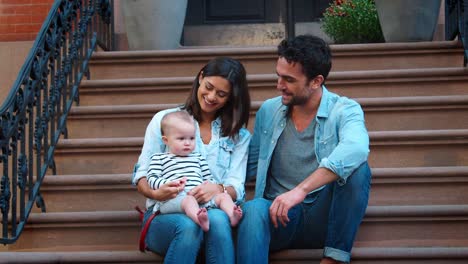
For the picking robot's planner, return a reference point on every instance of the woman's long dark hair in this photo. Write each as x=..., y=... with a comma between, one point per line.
x=235, y=113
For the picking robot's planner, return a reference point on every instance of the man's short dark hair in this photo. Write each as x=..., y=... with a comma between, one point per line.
x=312, y=52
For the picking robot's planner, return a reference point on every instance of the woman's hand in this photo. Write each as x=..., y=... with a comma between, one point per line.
x=204, y=192
x=165, y=192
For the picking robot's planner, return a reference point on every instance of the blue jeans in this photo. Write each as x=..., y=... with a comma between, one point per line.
x=330, y=222
x=178, y=238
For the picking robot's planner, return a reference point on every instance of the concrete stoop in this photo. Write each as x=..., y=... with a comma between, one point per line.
x=415, y=99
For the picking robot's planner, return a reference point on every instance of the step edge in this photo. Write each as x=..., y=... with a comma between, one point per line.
x=375, y=136
x=337, y=49
x=373, y=211
x=362, y=75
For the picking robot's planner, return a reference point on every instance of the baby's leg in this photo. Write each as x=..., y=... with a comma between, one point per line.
x=192, y=209
x=234, y=212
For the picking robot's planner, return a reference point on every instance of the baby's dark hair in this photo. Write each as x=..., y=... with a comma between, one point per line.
x=170, y=120
x=312, y=52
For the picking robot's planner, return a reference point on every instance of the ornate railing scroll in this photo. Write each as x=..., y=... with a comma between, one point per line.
x=34, y=114
x=456, y=23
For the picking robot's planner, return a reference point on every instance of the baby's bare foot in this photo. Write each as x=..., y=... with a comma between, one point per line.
x=203, y=219
x=236, y=216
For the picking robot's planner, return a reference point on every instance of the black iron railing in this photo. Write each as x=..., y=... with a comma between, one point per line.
x=34, y=114
x=456, y=23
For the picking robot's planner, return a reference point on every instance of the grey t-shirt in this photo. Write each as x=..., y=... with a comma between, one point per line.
x=293, y=160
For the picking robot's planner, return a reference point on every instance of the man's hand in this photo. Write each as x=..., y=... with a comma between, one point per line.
x=280, y=207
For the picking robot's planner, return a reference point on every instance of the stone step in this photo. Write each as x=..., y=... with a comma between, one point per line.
x=392, y=113
x=81, y=193
x=187, y=62
x=360, y=255
x=383, y=226
x=413, y=226
x=418, y=148
x=416, y=186
x=353, y=84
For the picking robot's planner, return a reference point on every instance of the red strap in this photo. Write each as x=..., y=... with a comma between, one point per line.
x=145, y=228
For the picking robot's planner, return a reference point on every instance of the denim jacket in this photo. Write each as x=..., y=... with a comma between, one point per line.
x=341, y=138
x=227, y=158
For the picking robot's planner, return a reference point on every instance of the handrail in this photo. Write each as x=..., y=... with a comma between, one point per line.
x=456, y=23
x=34, y=114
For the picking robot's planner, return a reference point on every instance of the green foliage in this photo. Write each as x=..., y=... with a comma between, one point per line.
x=352, y=21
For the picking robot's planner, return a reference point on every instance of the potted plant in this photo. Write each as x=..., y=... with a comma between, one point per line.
x=352, y=21
x=408, y=20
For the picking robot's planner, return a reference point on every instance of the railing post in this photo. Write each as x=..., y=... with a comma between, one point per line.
x=456, y=23
x=290, y=21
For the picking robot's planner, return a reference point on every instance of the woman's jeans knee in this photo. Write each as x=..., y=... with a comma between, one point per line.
x=175, y=236
x=179, y=239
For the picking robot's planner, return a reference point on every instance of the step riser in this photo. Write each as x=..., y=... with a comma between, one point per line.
x=87, y=199
x=120, y=126
x=377, y=119
x=397, y=156
x=353, y=88
x=412, y=118
x=141, y=69
x=392, y=154
x=374, y=232
x=123, y=236
x=440, y=193
x=381, y=232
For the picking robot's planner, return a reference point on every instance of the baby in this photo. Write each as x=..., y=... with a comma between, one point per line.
x=189, y=169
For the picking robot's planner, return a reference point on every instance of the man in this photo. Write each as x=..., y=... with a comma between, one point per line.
x=309, y=156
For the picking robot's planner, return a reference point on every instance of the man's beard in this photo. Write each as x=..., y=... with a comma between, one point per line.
x=299, y=99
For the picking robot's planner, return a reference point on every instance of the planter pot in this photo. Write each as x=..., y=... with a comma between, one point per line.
x=154, y=24
x=408, y=20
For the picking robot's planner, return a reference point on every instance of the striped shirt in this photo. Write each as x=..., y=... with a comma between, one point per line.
x=167, y=167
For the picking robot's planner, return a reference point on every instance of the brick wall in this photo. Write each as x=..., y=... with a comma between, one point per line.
x=21, y=20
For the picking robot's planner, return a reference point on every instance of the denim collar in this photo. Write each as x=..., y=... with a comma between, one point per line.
x=324, y=101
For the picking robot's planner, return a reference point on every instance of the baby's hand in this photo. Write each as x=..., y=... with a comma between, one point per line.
x=181, y=184
x=183, y=181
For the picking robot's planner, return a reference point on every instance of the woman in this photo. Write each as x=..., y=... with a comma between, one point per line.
x=220, y=103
